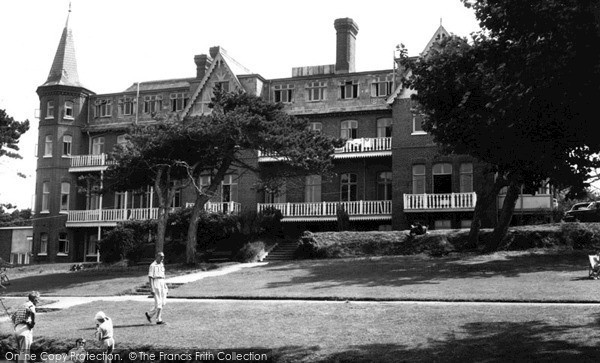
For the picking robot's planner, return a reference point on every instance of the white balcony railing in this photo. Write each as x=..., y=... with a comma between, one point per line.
x=362, y=208
x=365, y=145
x=220, y=207
x=452, y=201
x=378, y=146
x=89, y=162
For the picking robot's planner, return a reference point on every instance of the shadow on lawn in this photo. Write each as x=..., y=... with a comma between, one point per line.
x=48, y=283
x=410, y=270
x=532, y=341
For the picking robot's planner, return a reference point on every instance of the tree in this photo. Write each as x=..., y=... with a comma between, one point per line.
x=10, y=132
x=148, y=159
x=16, y=217
x=226, y=140
x=519, y=95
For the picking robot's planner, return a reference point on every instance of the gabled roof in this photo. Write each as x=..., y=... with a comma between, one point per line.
x=64, y=66
x=232, y=66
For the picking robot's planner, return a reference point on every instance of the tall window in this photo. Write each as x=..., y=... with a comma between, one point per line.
x=316, y=91
x=126, y=106
x=381, y=87
x=120, y=200
x=316, y=126
x=348, y=187
x=179, y=101
x=275, y=196
x=63, y=243
x=92, y=246
x=103, y=108
x=418, y=179
x=466, y=178
x=45, y=196
x=152, y=104
x=384, y=185
x=417, y=124
x=43, y=243
x=312, y=189
x=98, y=145
x=48, y=146
x=67, y=143
x=349, y=129
x=442, y=178
x=65, y=191
x=349, y=89
x=229, y=188
x=283, y=93
x=50, y=109
x=69, y=110
x=384, y=127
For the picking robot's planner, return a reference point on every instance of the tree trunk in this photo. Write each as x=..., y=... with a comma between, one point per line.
x=161, y=184
x=508, y=208
x=161, y=229
x=485, y=199
x=192, y=241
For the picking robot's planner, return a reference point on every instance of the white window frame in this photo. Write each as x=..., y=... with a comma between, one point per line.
x=383, y=125
x=98, y=145
x=352, y=180
x=126, y=105
x=381, y=87
x=349, y=90
x=103, y=107
x=69, y=113
x=43, y=244
x=67, y=145
x=152, y=103
x=386, y=184
x=45, y=208
x=315, y=91
x=65, y=192
x=349, y=129
x=63, y=238
x=283, y=93
x=50, y=109
x=316, y=126
x=417, y=118
x=179, y=101
x=48, y=146
x=92, y=245
x=312, y=188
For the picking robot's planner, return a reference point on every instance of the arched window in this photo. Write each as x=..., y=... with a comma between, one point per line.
x=65, y=191
x=43, y=243
x=67, y=145
x=48, y=146
x=418, y=179
x=442, y=178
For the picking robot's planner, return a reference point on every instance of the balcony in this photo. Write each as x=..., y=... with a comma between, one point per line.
x=85, y=163
x=355, y=148
x=326, y=211
x=110, y=217
x=531, y=203
x=452, y=202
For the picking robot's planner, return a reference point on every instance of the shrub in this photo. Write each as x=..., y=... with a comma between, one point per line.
x=121, y=243
x=581, y=235
x=343, y=219
x=270, y=221
x=251, y=252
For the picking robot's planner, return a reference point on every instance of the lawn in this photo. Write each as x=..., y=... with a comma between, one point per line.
x=504, y=276
x=355, y=331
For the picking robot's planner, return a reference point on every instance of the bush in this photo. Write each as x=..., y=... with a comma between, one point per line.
x=270, y=222
x=581, y=236
x=251, y=252
x=343, y=219
x=118, y=244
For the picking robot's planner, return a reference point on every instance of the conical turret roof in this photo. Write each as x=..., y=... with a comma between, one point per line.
x=64, y=66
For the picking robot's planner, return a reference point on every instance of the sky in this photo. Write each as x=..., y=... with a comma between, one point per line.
x=120, y=42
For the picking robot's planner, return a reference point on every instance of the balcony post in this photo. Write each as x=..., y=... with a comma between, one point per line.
x=452, y=202
x=425, y=201
x=360, y=207
x=287, y=209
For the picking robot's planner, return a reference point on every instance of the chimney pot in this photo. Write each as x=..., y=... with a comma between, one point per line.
x=214, y=51
x=202, y=64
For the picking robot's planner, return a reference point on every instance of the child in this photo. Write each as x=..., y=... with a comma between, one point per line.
x=105, y=333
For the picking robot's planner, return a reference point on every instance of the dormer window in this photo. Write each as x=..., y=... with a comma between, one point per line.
x=179, y=101
x=283, y=93
x=348, y=90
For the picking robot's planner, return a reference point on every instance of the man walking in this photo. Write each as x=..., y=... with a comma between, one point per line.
x=156, y=276
x=24, y=321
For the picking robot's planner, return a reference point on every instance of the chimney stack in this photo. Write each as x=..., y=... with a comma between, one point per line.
x=202, y=65
x=346, y=30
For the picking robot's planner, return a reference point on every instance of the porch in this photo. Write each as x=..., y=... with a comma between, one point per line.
x=451, y=202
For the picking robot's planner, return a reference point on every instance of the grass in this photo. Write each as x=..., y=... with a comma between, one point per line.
x=339, y=332
x=542, y=275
